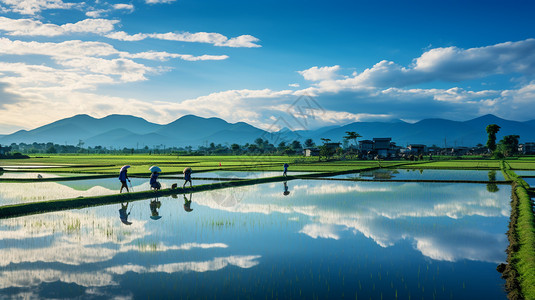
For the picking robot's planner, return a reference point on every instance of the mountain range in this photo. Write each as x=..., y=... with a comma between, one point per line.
x=120, y=131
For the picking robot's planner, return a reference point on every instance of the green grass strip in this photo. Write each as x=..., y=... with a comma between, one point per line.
x=524, y=258
x=520, y=271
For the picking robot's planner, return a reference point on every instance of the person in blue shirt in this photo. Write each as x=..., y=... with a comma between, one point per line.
x=154, y=181
x=187, y=177
x=123, y=177
x=285, y=170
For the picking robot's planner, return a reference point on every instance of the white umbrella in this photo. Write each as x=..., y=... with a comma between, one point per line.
x=124, y=168
x=156, y=169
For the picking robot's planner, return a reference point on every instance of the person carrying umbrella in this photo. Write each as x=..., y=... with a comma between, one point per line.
x=187, y=177
x=154, y=184
x=123, y=177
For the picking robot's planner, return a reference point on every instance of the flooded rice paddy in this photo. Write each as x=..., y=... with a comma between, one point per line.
x=300, y=239
x=15, y=193
x=244, y=175
x=34, y=175
x=427, y=174
x=524, y=173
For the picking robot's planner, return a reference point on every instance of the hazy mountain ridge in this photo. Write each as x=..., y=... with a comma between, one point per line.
x=440, y=132
x=120, y=131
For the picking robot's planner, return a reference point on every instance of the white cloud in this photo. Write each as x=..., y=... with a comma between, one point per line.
x=162, y=56
x=296, y=85
x=123, y=36
x=213, y=38
x=129, y=7
x=320, y=74
x=159, y=1
x=450, y=64
x=83, y=60
x=96, y=13
x=32, y=7
x=29, y=27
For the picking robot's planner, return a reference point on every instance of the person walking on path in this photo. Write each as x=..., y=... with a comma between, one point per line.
x=187, y=177
x=123, y=177
x=154, y=181
x=285, y=170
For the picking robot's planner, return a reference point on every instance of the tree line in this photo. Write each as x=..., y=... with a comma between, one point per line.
x=259, y=146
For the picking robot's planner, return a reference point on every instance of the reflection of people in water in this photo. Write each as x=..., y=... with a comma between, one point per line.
x=187, y=203
x=286, y=191
x=123, y=215
x=154, y=184
x=154, y=206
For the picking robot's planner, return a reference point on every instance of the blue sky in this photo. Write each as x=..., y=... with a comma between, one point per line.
x=256, y=61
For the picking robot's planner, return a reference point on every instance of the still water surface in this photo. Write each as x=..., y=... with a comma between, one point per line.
x=424, y=174
x=14, y=193
x=306, y=239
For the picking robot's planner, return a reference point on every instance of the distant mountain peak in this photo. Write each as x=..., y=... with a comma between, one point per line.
x=487, y=117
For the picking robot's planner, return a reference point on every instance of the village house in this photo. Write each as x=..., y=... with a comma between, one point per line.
x=311, y=151
x=527, y=148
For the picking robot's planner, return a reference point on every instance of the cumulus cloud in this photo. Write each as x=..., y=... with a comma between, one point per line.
x=162, y=56
x=450, y=64
x=159, y=1
x=96, y=13
x=29, y=27
x=83, y=60
x=319, y=74
x=32, y=7
x=129, y=7
x=216, y=39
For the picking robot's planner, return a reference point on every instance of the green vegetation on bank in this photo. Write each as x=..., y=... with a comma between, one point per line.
x=520, y=270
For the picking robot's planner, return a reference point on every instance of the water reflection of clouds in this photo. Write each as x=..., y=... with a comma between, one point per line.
x=82, y=239
x=71, y=249
x=34, y=277
x=465, y=244
x=336, y=188
x=218, y=263
x=423, y=213
x=320, y=231
x=11, y=193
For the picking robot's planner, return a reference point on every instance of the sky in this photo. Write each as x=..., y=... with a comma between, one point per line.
x=297, y=64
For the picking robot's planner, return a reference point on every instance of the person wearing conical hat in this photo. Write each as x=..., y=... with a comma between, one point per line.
x=187, y=177
x=123, y=177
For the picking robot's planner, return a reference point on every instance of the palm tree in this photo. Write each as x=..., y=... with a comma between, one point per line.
x=351, y=135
